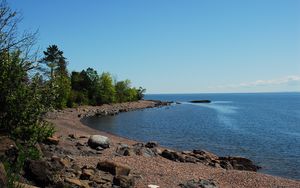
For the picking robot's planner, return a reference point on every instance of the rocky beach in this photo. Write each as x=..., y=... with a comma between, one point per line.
x=79, y=156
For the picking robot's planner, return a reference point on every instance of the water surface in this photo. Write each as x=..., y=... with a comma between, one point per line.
x=263, y=127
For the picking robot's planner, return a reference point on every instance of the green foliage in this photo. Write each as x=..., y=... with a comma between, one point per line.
x=59, y=83
x=124, y=92
x=107, y=89
x=21, y=101
x=140, y=93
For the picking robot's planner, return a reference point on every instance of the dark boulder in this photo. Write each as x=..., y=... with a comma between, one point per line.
x=38, y=171
x=173, y=155
x=151, y=144
x=240, y=163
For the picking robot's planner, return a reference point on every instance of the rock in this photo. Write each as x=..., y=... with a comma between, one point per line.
x=200, y=101
x=189, y=159
x=98, y=140
x=153, y=186
x=72, y=136
x=124, y=150
x=124, y=181
x=79, y=144
x=151, y=144
x=113, y=168
x=226, y=165
x=38, y=171
x=99, y=148
x=172, y=155
x=23, y=185
x=8, y=149
x=240, y=163
x=3, y=176
x=198, y=184
x=52, y=140
x=87, y=174
x=74, y=181
x=147, y=152
x=101, y=177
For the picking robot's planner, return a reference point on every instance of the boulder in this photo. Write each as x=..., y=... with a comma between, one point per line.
x=240, y=163
x=124, y=181
x=3, y=176
x=113, y=168
x=202, y=183
x=98, y=140
x=124, y=150
x=172, y=155
x=38, y=171
x=101, y=177
x=151, y=144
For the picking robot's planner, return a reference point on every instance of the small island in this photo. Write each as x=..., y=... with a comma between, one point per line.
x=200, y=101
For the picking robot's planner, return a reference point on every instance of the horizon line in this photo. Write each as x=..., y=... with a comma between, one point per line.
x=258, y=92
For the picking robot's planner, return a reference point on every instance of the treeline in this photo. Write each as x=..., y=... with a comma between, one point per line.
x=31, y=86
x=86, y=87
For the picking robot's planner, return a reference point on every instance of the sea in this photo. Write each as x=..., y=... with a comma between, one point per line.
x=264, y=127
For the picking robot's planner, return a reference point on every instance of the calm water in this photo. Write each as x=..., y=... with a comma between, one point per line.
x=262, y=127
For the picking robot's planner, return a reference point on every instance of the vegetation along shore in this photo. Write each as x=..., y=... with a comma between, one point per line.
x=43, y=142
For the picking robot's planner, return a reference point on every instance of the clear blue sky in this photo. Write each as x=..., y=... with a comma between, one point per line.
x=172, y=46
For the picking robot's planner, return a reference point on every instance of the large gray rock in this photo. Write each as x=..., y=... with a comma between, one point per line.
x=98, y=140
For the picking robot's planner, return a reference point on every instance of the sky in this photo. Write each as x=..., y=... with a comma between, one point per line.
x=175, y=46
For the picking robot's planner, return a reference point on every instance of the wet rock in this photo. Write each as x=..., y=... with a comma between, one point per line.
x=124, y=181
x=98, y=140
x=113, y=168
x=3, y=176
x=198, y=184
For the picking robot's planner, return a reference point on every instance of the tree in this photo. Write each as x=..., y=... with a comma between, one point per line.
x=10, y=40
x=107, y=89
x=59, y=82
x=124, y=92
x=54, y=60
x=140, y=93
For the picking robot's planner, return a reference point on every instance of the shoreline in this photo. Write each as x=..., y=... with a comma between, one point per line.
x=154, y=170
